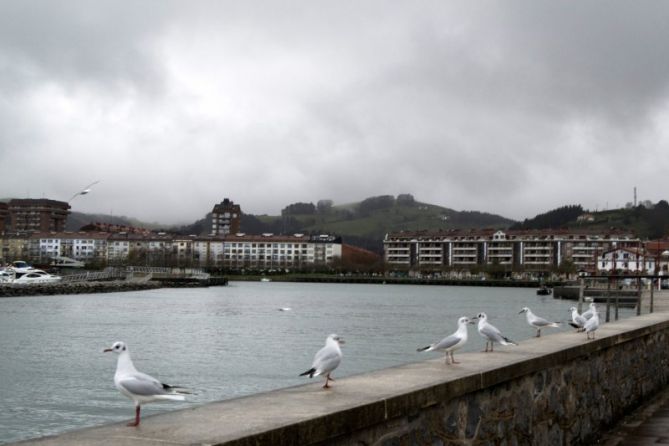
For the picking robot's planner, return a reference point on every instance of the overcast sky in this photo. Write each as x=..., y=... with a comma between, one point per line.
x=510, y=107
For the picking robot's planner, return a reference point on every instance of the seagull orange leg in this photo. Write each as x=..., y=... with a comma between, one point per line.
x=136, y=423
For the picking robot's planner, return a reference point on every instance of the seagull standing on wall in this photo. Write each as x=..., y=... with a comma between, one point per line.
x=591, y=325
x=451, y=343
x=490, y=333
x=592, y=309
x=326, y=360
x=140, y=387
x=577, y=320
x=536, y=321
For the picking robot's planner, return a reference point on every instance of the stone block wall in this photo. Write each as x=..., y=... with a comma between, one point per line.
x=568, y=403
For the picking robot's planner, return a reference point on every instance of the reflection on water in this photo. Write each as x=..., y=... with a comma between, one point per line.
x=222, y=342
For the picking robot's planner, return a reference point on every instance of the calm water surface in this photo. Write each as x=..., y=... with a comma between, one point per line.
x=222, y=342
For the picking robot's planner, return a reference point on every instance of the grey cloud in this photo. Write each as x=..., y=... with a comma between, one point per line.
x=497, y=106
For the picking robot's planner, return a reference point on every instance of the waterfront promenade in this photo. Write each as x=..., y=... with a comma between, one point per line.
x=649, y=424
x=558, y=389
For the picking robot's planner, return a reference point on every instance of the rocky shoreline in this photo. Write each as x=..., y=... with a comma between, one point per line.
x=112, y=286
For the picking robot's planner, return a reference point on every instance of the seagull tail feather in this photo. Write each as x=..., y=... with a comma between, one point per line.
x=422, y=349
x=177, y=389
x=309, y=372
x=508, y=341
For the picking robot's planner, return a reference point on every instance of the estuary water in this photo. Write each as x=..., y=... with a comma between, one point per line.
x=224, y=342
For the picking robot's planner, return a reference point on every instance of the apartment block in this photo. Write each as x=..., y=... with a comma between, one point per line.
x=225, y=218
x=233, y=251
x=37, y=215
x=270, y=251
x=4, y=216
x=526, y=250
x=83, y=246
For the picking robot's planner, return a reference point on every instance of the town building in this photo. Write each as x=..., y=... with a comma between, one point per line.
x=266, y=251
x=84, y=246
x=37, y=215
x=627, y=260
x=513, y=250
x=225, y=218
x=269, y=251
x=4, y=216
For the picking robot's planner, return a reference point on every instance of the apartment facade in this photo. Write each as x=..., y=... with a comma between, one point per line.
x=83, y=246
x=225, y=218
x=265, y=251
x=526, y=250
x=269, y=251
x=4, y=216
x=37, y=215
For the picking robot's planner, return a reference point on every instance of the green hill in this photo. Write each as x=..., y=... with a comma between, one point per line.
x=366, y=223
x=648, y=221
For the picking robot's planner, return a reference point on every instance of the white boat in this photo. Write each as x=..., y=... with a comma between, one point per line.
x=265, y=279
x=36, y=276
x=20, y=267
x=7, y=276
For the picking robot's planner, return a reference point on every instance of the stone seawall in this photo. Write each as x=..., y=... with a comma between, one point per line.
x=558, y=389
x=109, y=286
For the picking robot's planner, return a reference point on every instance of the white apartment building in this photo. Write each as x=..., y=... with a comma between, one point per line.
x=234, y=251
x=270, y=251
x=526, y=250
x=84, y=246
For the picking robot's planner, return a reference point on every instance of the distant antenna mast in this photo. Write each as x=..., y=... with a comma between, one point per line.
x=634, y=196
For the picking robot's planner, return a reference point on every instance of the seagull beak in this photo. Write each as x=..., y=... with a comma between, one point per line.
x=341, y=341
x=106, y=350
x=521, y=311
x=471, y=322
x=474, y=318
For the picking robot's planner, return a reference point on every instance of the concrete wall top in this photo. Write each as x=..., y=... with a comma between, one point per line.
x=308, y=414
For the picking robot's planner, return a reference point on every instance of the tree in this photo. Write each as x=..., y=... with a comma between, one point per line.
x=405, y=200
x=374, y=203
x=554, y=219
x=299, y=209
x=324, y=206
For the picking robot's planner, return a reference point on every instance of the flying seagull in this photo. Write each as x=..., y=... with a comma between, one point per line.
x=451, y=343
x=140, y=387
x=490, y=333
x=536, y=321
x=326, y=360
x=84, y=191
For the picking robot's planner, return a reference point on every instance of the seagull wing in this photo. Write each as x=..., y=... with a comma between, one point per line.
x=592, y=324
x=492, y=333
x=446, y=343
x=326, y=360
x=142, y=384
x=579, y=320
x=541, y=322
x=91, y=185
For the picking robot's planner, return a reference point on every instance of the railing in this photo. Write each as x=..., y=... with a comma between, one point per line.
x=124, y=272
x=610, y=285
x=107, y=274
